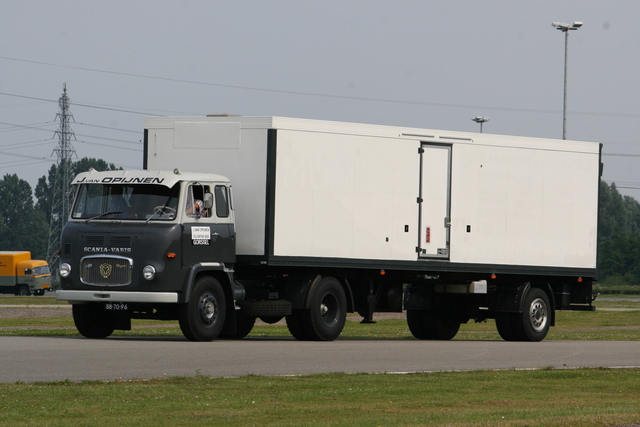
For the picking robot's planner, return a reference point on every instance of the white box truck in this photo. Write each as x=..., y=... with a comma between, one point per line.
x=236, y=218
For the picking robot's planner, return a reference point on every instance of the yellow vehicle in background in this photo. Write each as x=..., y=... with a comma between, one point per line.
x=21, y=275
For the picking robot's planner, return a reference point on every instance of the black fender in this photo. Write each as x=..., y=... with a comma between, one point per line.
x=216, y=269
x=225, y=277
x=298, y=293
x=511, y=299
x=418, y=297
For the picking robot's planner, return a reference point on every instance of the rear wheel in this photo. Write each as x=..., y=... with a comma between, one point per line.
x=530, y=325
x=535, y=320
x=295, y=324
x=327, y=310
x=504, y=325
x=438, y=324
x=244, y=325
x=202, y=317
x=93, y=321
x=326, y=315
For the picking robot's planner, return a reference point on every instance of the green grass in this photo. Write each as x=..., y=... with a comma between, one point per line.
x=31, y=300
x=582, y=397
x=547, y=397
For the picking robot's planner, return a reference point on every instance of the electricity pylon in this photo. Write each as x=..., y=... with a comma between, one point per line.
x=63, y=174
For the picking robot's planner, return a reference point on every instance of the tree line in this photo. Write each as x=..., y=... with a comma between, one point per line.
x=24, y=223
x=618, y=235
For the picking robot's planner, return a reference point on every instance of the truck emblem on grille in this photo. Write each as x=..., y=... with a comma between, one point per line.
x=105, y=270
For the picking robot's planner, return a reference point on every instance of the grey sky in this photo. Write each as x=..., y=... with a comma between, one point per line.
x=431, y=64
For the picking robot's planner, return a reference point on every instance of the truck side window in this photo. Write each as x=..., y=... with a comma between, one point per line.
x=222, y=201
x=195, y=196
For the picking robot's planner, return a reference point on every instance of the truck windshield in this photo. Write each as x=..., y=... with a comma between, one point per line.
x=41, y=270
x=130, y=202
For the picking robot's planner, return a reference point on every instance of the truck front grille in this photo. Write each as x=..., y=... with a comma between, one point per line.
x=100, y=270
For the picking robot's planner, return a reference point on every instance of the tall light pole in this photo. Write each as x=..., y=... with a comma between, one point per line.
x=565, y=28
x=480, y=120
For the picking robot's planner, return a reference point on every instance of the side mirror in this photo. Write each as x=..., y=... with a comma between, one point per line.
x=208, y=200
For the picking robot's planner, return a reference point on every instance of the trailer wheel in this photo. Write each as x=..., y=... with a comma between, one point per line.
x=534, y=322
x=327, y=310
x=244, y=325
x=271, y=320
x=437, y=324
x=202, y=317
x=93, y=321
x=295, y=324
x=504, y=325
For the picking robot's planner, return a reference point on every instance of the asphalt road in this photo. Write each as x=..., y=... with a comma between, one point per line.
x=31, y=359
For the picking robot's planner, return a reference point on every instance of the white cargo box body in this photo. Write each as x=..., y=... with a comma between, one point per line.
x=317, y=192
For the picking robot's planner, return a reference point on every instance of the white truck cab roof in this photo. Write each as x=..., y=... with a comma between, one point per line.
x=166, y=178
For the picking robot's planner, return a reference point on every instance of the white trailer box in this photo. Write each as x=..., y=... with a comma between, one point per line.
x=320, y=193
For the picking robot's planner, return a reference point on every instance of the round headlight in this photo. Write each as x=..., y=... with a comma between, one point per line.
x=149, y=272
x=65, y=270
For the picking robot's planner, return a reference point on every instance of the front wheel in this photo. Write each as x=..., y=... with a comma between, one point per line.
x=202, y=317
x=93, y=321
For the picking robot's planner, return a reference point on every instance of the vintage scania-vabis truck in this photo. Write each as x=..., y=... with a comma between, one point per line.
x=238, y=218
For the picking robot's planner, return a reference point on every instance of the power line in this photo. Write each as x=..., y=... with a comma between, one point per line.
x=319, y=95
x=110, y=146
x=110, y=128
x=81, y=105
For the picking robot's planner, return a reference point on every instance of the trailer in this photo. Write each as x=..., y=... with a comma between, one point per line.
x=308, y=220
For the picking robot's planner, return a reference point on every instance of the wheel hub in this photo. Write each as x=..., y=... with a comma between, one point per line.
x=207, y=308
x=538, y=314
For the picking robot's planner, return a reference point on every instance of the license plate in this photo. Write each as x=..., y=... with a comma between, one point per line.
x=116, y=306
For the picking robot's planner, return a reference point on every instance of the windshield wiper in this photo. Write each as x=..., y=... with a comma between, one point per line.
x=101, y=215
x=160, y=210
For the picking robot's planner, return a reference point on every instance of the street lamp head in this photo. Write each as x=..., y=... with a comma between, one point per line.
x=480, y=119
x=566, y=27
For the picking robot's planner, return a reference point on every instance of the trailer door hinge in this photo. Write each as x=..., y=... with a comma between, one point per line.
x=419, y=200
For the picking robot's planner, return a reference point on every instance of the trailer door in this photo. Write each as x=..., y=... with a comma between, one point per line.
x=434, y=201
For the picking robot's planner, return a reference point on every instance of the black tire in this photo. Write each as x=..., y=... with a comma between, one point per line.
x=244, y=325
x=202, y=317
x=327, y=311
x=439, y=324
x=93, y=321
x=271, y=319
x=504, y=325
x=23, y=291
x=534, y=322
x=295, y=324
